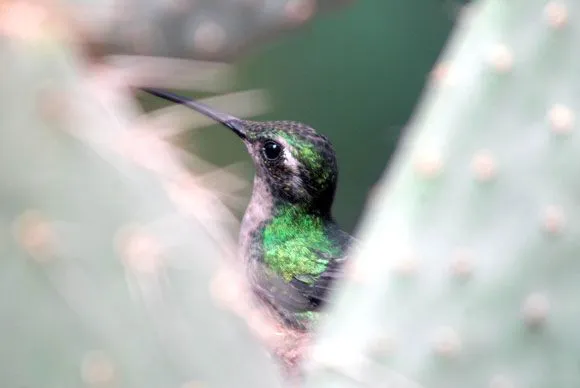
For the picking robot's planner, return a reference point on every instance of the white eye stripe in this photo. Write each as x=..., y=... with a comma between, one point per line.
x=295, y=179
x=289, y=159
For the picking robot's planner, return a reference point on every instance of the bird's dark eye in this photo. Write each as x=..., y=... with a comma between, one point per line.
x=272, y=150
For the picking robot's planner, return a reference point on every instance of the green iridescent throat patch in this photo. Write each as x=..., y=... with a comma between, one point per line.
x=295, y=244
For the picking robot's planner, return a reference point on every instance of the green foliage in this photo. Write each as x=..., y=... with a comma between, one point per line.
x=468, y=272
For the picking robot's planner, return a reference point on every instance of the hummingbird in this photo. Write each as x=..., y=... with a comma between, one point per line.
x=292, y=248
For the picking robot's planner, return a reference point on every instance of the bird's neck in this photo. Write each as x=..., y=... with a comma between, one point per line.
x=293, y=240
x=264, y=209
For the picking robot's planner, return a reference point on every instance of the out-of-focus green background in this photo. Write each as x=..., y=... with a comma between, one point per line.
x=355, y=75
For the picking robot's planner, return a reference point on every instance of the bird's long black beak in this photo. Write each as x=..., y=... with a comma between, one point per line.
x=232, y=122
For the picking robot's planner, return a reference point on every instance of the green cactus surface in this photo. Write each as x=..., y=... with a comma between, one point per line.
x=105, y=281
x=468, y=274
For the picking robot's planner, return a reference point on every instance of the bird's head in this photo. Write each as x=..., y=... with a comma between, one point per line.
x=297, y=164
